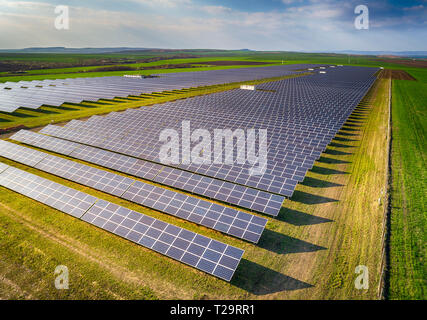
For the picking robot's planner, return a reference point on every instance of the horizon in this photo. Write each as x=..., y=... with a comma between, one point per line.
x=130, y=48
x=274, y=25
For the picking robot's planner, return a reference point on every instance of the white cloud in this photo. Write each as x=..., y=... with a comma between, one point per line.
x=163, y=3
x=319, y=26
x=216, y=10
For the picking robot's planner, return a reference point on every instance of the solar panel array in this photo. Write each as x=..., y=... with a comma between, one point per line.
x=203, y=253
x=241, y=196
x=53, y=194
x=33, y=94
x=302, y=115
x=218, y=217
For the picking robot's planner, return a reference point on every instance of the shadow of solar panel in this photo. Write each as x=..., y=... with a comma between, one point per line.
x=208, y=255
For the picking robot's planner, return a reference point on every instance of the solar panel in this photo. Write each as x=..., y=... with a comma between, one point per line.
x=3, y=167
x=200, y=252
x=210, y=215
x=56, y=145
x=92, y=177
x=227, y=220
x=302, y=115
x=56, y=92
x=53, y=194
x=241, y=196
x=9, y=150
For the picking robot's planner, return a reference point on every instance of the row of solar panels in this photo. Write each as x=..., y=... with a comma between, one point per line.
x=203, y=253
x=241, y=196
x=33, y=94
x=294, y=143
x=127, y=142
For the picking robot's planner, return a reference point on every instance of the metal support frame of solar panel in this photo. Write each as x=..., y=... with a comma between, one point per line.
x=203, y=253
x=211, y=188
x=210, y=215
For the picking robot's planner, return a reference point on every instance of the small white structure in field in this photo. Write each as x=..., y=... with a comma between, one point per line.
x=322, y=68
x=247, y=87
x=132, y=76
x=332, y=66
x=322, y=71
x=381, y=67
x=310, y=69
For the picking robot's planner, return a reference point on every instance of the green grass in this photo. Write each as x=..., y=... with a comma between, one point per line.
x=409, y=184
x=273, y=57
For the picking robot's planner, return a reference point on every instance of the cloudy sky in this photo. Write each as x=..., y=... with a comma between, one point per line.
x=298, y=25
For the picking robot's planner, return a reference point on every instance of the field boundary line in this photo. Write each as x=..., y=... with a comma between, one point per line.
x=385, y=256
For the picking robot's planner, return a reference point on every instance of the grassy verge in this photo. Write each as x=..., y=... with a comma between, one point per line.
x=407, y=272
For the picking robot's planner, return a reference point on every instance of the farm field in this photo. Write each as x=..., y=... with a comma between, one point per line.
x=213, y=159
x=96, y=62
x=310, y=251
x=408, y=195
x=322, y=222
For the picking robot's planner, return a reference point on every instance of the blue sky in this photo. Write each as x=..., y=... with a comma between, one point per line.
x=293, y=25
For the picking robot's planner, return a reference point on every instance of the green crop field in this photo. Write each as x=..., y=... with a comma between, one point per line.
x=200, y=56
x=409, y=184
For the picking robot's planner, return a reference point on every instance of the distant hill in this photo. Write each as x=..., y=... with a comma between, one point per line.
x=73, y=50
x=136, y=50
x=411, y=54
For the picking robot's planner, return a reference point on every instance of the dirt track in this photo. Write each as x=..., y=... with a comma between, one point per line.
x=395, y=75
